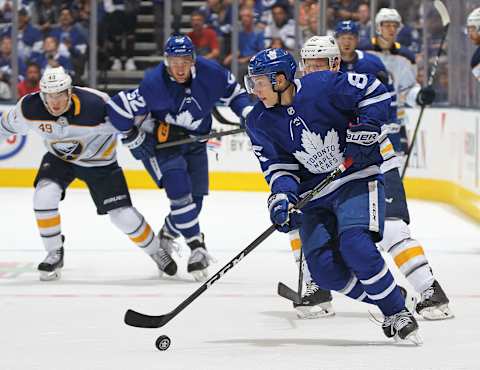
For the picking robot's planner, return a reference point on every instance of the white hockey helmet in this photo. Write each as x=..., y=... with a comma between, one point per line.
x=387, y=15
x=319, y=47
x=473, y=19
x=53, y=81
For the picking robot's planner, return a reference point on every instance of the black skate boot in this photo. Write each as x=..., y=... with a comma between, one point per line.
x=433, y=304
x=316, y=303
x=401, y=326
x=50, y=268
x=199, y=260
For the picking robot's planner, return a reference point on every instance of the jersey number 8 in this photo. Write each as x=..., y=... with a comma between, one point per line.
x=357, y=80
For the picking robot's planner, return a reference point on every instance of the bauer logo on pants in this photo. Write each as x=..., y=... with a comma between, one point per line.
x=13, y=145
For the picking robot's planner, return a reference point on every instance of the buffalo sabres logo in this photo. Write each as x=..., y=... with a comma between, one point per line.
x=67, y=150
x=320, y=156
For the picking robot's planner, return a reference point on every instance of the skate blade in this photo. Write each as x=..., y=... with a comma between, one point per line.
x=50, y=275
x=315, y=312
x=413, y=338
x=200, y=275
x=442, y=312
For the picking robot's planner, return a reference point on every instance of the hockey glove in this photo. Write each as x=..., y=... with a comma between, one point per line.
x=362, y=145
x=141, y=144
x=166, y=132
x=281, y=214
x=426, y=96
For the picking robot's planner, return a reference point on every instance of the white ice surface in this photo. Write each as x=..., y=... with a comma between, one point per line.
x=240, y=323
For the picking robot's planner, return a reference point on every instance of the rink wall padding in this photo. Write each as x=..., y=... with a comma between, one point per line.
x=445, y=163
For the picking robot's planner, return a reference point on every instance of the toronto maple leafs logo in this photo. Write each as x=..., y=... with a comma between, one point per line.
x=272, y=54
x=320, y=156
x=183, y=119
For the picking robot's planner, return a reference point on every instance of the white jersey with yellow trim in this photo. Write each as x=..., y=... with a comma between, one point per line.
x=83, y=135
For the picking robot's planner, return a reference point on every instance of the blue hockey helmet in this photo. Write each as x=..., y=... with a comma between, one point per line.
x=178, y=46
x=346, y=27
x=270, y=62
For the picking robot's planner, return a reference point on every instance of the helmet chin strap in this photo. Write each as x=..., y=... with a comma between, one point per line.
x=280, y=92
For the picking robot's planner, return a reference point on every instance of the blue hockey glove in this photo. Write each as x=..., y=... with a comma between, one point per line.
x=281, y=215
x=362, y=145
x=141, y=144
x=426, y=96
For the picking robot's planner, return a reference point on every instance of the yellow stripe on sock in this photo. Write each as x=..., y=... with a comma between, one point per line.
x=408, y=254
x=48, y=222
x=143, y=236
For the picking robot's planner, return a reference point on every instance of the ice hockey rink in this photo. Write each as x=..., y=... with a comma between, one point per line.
x=240, y=323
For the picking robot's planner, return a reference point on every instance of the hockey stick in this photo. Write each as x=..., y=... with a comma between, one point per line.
x=218, y=116
x=287, y=292
x=194, y=139
x=442, y=10
x=140, y=320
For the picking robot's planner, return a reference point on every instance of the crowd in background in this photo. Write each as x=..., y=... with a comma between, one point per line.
x=55, y=32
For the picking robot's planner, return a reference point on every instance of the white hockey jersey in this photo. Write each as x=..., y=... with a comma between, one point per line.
x=83, y=135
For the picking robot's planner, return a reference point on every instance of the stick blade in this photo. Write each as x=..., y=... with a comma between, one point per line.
x=140, y=320
x=442, y=10
x=288, y=293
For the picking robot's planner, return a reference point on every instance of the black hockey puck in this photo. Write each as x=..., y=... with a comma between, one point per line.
x=162, y=343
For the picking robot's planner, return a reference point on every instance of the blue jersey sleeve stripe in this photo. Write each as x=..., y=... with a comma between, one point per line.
x=374, y=100
x=119, y=110
x=280, y=174
x=280, y=166
x=373, y=87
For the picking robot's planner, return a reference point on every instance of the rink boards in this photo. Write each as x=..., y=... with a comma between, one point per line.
x=445, y=164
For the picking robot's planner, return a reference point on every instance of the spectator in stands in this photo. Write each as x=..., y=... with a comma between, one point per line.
x=81, y=14
x=121, y=22
x=51, y=57
x=346, y=10
x=218, y=16
x=6, y=67
x=29, y=37
x=281, y=27
x=250, y=42
x=45, y=15
x=364, y=25
x=31, y=82
x=6, y=7
x=204, y=38
x=306, y=8
x=71, y=39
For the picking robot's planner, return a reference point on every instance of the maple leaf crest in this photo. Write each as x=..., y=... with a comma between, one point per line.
x=183, y=119
x=320, y=156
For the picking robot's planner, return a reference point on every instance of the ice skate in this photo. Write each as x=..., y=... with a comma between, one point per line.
x=50, y=268
x=402, y=326
x=433, y=304
x=168, y=242
x=316, y=303
x=199, y=260
x=165, y=262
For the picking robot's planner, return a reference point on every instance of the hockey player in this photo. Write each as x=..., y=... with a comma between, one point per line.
x=179, y=95
x=303, y=129
x=406, y=252
x=81, y=144
x=400, y=64
x=473, y=28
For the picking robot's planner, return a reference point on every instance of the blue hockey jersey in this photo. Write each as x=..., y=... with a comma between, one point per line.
x=300, y=144
x=187, y=105
x=369, y=63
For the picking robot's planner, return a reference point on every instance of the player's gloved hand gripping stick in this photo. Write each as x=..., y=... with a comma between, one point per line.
x=140, y=320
